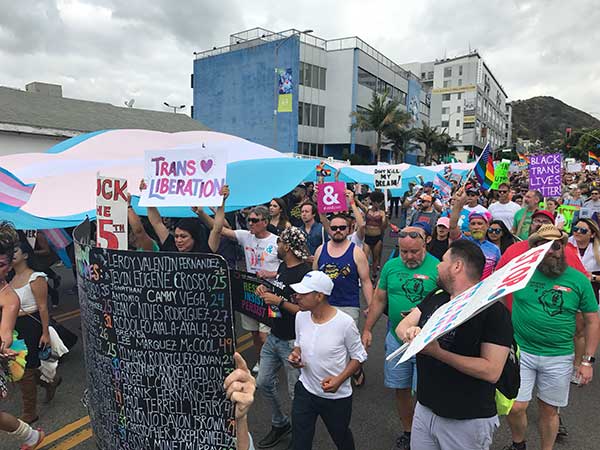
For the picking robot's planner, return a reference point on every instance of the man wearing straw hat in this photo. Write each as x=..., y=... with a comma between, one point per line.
x=543, y=315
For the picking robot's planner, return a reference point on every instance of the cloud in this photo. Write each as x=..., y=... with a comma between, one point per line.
x=113, y=50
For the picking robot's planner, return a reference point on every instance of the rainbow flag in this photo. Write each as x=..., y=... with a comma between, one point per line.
x=484, y=168
x=593, y=159
x=523, y=159
x=13, y=192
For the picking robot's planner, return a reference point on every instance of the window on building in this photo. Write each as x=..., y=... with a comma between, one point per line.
x=322, y=78
x=460, y=81
x=321, y=117
x=300, y=113
x=320, y=149
x=429, y=75
x=314, y=115
x=447, y=72
x=457, y=137
x=458, y=122
x=445, y=97
x=366, y=79
x=301, y=80
x=423, y=75
x=445, y=123
x=459, y=96
x=306, y=115
x=460, y=71
x=307, y=75
x=315, y=76
x=458, y=109
x=445, y=110
x=447, y=83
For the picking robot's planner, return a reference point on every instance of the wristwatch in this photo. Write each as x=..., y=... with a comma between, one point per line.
x=588, y=359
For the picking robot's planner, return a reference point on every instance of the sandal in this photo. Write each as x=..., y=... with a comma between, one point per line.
x=359, y=379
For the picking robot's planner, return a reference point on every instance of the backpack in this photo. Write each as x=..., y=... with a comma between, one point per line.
x=509, y=382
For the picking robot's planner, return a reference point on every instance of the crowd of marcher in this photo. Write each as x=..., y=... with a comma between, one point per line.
x=446, y=395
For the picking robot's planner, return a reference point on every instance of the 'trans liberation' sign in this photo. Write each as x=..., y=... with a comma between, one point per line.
x=183, y=177
x=544, y=174
x=510, y=278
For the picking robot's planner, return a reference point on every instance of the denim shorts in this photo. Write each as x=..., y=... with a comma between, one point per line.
x=550, y=374
x=402, y=376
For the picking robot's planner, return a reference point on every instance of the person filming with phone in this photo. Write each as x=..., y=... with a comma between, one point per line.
x=404, y=283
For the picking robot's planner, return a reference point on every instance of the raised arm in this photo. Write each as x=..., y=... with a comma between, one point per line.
x=155, y=219
x=460, y=199
x=142, y=239
x=358, y=215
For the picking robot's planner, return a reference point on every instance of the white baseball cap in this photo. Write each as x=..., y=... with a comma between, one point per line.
x=314, y=281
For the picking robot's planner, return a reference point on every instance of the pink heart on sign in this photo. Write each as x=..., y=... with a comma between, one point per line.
x=206, y=164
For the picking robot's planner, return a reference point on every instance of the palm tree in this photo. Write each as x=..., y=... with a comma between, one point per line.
x=381, y=115
x=428, y=136
x=443, y=145
x=399, y=137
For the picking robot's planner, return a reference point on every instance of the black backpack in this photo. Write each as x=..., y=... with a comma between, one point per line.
x=507, y=386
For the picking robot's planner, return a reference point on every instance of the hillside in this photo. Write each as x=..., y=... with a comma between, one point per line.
x=546, y=118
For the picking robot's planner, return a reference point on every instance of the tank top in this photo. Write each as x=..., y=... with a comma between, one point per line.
x=374, y=220
x=344, y=273
x=25, y=293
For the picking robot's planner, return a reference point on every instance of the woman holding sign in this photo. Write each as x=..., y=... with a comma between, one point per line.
x=9, y=307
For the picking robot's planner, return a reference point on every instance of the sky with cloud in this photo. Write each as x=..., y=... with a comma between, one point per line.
x=116, y=50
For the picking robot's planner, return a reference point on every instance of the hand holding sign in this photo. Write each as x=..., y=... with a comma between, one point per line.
x=331, y=197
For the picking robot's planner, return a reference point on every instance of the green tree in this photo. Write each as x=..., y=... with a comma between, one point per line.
x=428, y=136
x=399, y=137
x=381, y=115
x=442, y=146
x=588, y=141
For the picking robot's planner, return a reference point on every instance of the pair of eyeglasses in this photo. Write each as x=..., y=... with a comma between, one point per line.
x=495, y=230
x=580, y=230
x=338, y=227
x=254, y=220
x=411, y=234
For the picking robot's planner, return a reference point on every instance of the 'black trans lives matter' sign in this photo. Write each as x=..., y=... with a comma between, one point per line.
x=159, y=342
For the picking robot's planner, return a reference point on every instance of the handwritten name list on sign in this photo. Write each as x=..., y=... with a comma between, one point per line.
x=183, y=177
x=159, y=343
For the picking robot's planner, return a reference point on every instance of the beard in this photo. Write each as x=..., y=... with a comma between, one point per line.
x=338, y=237
x=445, y=284
x=553, y=266
x=479, y=234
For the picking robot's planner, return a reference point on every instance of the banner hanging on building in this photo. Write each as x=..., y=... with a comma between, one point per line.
x=545, y=174
x=285, y=90
x=111, y=213
x=183, y=177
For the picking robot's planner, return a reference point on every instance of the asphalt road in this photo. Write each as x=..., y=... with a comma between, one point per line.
x=375, y=423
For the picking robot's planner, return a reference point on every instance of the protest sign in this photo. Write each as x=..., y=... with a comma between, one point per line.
x=159, y=343
x=510, y=278
x=111, y=213
x=183, y=177
x=568, y=212
x=574, y=167
x=331, y=197
x=501, y=174
x=245, y=300
x=545, y=174
x=388, y=177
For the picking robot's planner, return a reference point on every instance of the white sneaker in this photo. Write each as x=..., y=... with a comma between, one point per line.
x=255, y=368
x=574, y=377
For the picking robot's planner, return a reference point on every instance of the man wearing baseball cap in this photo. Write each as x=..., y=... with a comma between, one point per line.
x=479, y=222
x=327, y=350
x=424, y=211
x=543, y=317
x=470, y=204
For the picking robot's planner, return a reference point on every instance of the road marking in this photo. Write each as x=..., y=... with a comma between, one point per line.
x=74, y=440
x=72, y=316
x=64, y=431
x=68, y=313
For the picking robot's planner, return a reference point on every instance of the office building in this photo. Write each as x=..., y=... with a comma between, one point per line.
x=295, y=92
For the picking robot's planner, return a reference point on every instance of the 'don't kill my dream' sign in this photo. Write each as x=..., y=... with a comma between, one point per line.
x=387, y=177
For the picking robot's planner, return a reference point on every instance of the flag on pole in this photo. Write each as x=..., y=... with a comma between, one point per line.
x=484, y=168
x=523, y=159
x=13, y=192
x=443, y=186
x=59, y=240
x=593, y=159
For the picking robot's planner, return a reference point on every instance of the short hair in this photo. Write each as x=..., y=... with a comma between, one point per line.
x=312, y=205
x=507, y=185
x=261, y=211
x=341, y=216
x=471, y=256
x=539, y=195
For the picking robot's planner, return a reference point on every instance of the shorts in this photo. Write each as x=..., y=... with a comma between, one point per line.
x=401, y=376
x=371, y=241
x=250, y=324
x=352, y=311
x=550, y=374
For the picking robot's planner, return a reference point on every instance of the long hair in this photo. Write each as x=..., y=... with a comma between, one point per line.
x=596, y=230
x=507, y=238
x=283, y=218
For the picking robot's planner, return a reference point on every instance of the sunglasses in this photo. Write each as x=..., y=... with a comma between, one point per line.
x=495, y=230
x=254, y=220
x=411, y=234
x=503, y=192
x=338, y=227
x=580, y=230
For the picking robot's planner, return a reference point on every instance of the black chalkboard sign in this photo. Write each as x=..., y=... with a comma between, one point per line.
x=159, y=342
x=245, y=300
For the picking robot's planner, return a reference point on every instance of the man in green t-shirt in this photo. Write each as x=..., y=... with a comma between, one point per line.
x=543, y=315
x=403, y=284
x=522, y=220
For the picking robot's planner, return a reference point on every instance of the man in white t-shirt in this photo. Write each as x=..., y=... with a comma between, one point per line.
x=471, y=205
x=504, y=209
x=260, y=250
x=327, y=350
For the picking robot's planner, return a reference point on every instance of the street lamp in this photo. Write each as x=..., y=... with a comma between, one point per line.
x=275, y=89
x=175, y=108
